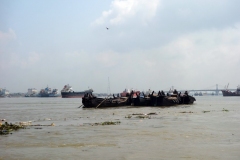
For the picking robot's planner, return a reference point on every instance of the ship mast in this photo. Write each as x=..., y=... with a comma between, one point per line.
x=108, y=90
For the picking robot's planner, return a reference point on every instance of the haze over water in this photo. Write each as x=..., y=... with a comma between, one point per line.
x=118, y=44
x=171, y=134
x=149, y=44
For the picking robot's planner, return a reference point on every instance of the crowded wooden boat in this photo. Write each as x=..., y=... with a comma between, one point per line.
x=137, y=98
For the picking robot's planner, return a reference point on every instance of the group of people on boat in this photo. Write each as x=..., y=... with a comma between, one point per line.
x=137, y=98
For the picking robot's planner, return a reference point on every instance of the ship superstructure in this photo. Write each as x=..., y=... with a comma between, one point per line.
x=67, y=92
x=55, y=93
x=226, y=92
x=45, y=92
x=32, y=92
x=4, y=92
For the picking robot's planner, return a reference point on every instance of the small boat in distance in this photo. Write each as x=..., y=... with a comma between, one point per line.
x=67, y=92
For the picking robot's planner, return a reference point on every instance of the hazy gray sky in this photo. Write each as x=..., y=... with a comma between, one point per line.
x=188, y=44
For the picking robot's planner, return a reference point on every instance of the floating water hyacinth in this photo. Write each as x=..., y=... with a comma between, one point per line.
x=128, y=116
x=205, y=111
x=143, y=116
x=106, y=123
x=7, y=128
x=225, y=110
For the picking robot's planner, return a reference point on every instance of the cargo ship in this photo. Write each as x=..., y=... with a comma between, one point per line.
x=55, y=93
x=4, y=93
x=48, y=92
x=32, y=92
x=226, y=92
x=67, y=92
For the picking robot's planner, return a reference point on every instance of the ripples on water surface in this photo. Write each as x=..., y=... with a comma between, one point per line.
x=168, y=135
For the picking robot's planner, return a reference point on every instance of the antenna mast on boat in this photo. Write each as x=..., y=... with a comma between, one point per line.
x=109, y=91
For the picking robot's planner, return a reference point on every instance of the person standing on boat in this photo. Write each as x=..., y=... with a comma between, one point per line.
x=175, y=91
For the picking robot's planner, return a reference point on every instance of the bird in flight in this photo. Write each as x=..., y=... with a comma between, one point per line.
x=107, y=28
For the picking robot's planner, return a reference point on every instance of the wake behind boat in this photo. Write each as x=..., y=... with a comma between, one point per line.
x=67, y=92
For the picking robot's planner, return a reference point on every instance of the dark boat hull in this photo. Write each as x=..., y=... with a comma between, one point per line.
x=43, y=95
x=165, y=101
x=94, y=102
x=229, y=93
x=72, y=94
x=90, y=101
x=186, y=99
x=162, y=100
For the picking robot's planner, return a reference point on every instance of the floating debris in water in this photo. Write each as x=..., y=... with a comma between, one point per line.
x=143, y=116
x=105, y=123
x=152, y=113
x=128, y=116
x=52, y=124
x=205, y=111
x=138, y=114
x=28, y=123
x=7, y=128
x=186, y=112
x=110, y=123
x=225, y=110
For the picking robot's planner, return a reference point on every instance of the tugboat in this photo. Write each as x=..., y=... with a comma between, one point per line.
x=67, y=92
x=226, y=92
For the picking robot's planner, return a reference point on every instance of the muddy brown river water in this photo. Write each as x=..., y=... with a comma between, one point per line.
x=208, y=129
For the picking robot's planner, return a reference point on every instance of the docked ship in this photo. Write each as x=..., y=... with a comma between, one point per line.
x=226, y=92
x=196, y=94
x=4, y=93
x=32, y=92
x=55, y=93
x=67, y=92
x=48, y=92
